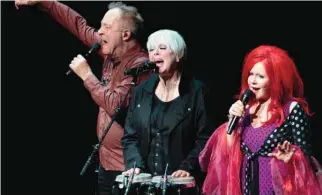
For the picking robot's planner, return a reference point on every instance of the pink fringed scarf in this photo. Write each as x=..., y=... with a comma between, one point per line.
x=222, y=165
x=299, y=177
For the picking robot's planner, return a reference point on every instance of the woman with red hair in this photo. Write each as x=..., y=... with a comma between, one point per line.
x=269, y=151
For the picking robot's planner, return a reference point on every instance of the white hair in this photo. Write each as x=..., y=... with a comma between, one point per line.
x=171, y=39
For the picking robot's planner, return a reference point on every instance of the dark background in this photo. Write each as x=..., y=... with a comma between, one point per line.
x=50, y=119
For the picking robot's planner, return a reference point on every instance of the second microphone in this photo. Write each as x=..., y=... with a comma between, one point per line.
x=146, y=66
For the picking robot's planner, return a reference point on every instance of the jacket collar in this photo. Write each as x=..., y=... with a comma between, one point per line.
x=116, y=59
x=154, y=79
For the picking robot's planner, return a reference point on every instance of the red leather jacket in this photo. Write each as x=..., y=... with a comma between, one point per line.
x=110, y=95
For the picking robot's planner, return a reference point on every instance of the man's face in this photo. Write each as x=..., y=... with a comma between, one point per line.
x=111, y=31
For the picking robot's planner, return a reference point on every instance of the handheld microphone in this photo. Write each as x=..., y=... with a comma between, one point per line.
x=245, y=98
x=128, y=186
x=96, y=46
x=146, y=66
x=165, y=181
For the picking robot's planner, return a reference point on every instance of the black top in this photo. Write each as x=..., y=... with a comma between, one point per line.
x=156, y=161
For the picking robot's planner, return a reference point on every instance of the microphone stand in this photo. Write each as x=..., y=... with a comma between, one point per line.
x=165, y=181
x=113, y=118
x=129, y=183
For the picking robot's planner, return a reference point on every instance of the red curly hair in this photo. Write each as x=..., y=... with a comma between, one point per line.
x=284, y=80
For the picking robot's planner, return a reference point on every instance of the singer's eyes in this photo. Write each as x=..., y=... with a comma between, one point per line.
x=106, y=26
x=259, y=75
x=161, y=48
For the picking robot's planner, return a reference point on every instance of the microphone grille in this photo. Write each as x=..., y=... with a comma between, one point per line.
x=248, y=92
x=150, y=64
x=246, y=95
x=96, y=46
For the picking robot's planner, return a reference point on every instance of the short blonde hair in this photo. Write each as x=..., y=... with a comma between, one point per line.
x=171, y=39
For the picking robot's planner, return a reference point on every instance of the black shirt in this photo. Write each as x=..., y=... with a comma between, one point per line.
x=158, y=157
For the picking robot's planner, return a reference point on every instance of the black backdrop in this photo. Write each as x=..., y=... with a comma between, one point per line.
x=50, y=118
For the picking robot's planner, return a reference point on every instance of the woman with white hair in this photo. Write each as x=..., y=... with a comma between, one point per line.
x=167, y=121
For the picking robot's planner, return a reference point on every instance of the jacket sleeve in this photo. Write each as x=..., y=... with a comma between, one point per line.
x=130, y=140
x=110, y=97
x=204, y=130
x=71, y=20
x=301, y=129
